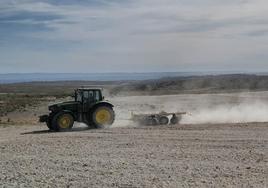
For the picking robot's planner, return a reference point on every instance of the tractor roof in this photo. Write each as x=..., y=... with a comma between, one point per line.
x=90, y=88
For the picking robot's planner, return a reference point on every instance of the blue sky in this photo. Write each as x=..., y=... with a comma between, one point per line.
x=133, y=35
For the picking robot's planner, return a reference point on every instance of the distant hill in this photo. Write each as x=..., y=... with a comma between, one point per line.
x=41, y=77
x=51, y=77
x=162, y=86
x=195, y=84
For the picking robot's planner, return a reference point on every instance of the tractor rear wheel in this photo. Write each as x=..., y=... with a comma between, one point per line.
x=62, y=122
x=103, y=116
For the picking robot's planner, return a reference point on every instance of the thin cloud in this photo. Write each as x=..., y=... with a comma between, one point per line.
x=169, y=34
x=112, y=17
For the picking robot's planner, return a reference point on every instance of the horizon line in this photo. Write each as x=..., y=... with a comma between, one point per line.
x=136, y=72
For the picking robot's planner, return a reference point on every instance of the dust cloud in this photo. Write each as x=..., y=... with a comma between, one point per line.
x=230, y=113
x=200, y=108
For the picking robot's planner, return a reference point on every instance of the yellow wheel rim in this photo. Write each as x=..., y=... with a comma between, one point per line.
x=103, y=117
x=64, y=121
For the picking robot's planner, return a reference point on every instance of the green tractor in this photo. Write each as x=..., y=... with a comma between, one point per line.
x=88, y=107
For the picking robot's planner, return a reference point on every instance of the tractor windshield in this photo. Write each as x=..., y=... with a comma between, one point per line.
x=88, y=96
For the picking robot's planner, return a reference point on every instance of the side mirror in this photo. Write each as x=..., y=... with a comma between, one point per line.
x=102, y=97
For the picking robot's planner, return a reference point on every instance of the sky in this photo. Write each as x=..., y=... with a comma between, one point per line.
x=65, y=36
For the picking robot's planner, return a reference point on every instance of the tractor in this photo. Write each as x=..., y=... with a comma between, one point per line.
x=88, y=107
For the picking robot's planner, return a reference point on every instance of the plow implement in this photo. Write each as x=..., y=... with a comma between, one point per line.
x=162, y=118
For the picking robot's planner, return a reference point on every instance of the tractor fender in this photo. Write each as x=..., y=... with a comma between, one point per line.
x=102, y=103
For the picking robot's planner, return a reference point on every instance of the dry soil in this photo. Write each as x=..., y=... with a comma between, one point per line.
x=130, y=155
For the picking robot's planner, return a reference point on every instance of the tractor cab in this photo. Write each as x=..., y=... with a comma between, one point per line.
x=88, y=95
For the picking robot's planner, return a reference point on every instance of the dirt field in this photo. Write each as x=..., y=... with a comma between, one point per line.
x=177, y=156
x=128, y=155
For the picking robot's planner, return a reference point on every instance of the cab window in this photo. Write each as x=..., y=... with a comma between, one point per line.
x=88, y=96
x=97, y=96
x=78, y=96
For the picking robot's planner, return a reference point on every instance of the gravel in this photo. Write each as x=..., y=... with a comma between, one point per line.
x=223, y=155
x=128, y=156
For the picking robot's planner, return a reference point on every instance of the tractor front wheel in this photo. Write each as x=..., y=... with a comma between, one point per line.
x=62, y=122
x=103, y=116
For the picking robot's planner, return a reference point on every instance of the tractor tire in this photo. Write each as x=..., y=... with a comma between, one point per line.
x=102, y=117
x=163, y=120
x=62, y=122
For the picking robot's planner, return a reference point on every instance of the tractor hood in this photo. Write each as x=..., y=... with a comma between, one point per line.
x=63, y=106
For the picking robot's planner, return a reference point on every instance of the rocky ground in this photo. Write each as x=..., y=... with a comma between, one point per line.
x=223, y=155
x=213, y=153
